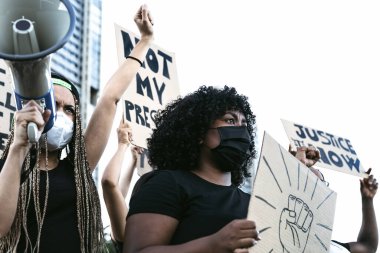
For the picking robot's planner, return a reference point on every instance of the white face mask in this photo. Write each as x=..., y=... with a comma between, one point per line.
x=61, y=132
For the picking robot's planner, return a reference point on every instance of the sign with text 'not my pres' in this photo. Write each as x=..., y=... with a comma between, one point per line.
x=155, y=85
x=336, y=152
x=7, y=105
x=293, y=209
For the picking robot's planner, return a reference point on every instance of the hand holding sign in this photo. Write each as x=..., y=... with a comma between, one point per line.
x=144, y=21
x=295, y=222
x=307, y=155
x=368, y=186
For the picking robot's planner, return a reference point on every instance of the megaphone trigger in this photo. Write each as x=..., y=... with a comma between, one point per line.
x=33, y=133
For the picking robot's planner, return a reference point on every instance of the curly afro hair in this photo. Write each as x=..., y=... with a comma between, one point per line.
x=175, y=142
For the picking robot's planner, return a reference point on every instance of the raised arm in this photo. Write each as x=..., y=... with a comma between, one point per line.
x=368, y=236
x=113, y=197
x=99, y=127
x=11, y=172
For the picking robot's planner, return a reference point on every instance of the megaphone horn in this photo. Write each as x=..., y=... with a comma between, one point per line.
x=31, y=31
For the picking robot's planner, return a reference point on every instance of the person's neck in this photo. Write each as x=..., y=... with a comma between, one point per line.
x=52, y=160
x=212, y=174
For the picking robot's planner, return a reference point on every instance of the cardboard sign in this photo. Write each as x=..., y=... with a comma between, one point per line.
x=293, y=209
x=336, y=152
x=142, y=163
x=155, y=85
x=7, y=105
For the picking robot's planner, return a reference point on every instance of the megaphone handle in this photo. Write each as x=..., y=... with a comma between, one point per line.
x=33, y=134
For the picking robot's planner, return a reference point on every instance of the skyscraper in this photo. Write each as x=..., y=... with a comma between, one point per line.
x=79, y=59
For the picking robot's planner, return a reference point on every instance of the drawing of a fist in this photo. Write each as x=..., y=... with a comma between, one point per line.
x=295, y=222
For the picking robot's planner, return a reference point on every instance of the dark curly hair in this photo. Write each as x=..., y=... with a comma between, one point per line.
x=175, y=143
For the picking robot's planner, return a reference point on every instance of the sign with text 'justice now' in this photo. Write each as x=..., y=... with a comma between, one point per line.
x=336, y=153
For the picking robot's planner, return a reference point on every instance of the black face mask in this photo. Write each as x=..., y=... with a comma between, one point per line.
x=232, y=151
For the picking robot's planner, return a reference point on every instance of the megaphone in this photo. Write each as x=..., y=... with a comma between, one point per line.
x=30, y=31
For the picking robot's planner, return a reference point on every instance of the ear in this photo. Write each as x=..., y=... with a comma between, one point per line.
x=200, y=141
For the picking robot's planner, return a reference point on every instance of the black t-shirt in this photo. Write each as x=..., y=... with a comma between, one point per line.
x=202, y=208
x=60, y=226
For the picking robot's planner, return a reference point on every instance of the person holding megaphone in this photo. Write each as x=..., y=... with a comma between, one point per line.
x=49, y=201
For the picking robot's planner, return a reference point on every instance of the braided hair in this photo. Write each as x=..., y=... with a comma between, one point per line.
x=90, y=225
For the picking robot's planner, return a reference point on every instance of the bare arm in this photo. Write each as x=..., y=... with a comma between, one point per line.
x=11, y=172
x=125, y=179
x=99, y=127
x=368, y=237
x=114, y=200
x=152, y=233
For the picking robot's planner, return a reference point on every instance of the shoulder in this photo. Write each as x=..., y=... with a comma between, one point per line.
x=338, y=247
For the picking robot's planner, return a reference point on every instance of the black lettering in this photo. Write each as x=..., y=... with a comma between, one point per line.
x=3, y=140
x=300, y=134
x=350, y=147
x=128, y=107
x=165, y=70
x=141, y=85
x=332, y=139
x=340, y=140
x=11, y=121
x=159, y=90
x=335, y=159
x=153, y=114
x=139, y=117
x=322, y=135
x=142, y=157
x=313, y=136
x=351, y=163
x=324, y=157
x=9, y=101
x=152, y=61
x=146, y=110
x=127, y=42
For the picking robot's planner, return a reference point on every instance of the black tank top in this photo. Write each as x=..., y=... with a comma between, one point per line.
x=60, y=226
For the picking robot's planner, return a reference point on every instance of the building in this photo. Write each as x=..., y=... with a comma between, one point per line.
x=79, y=59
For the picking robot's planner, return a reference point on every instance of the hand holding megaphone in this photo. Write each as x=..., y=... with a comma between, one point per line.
x=30, y=114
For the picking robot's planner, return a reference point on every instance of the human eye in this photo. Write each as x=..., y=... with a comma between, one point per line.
x=230, y=121
x=69, y=110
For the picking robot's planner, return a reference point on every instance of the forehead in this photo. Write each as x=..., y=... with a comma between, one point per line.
x=62, y=94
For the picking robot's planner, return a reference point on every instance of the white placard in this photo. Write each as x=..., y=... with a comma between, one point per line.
x=155, y=85
x=337, y=153
x=7, y=104
x=292, y=208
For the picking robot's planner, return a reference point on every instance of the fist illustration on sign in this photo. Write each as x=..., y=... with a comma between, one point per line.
x=295, y=223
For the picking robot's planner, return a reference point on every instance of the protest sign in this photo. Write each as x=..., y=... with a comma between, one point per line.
x=336, y=152
x=7, y=105
x=293, y=209
x=155, y=85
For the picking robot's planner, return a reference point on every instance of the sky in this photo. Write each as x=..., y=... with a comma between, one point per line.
x=311, y=62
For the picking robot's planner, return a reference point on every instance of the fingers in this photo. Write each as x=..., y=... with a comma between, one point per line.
x=124, y=132
x=32, y=112
x=291, y=151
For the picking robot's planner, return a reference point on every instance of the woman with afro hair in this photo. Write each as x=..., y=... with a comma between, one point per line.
x=201, y=151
